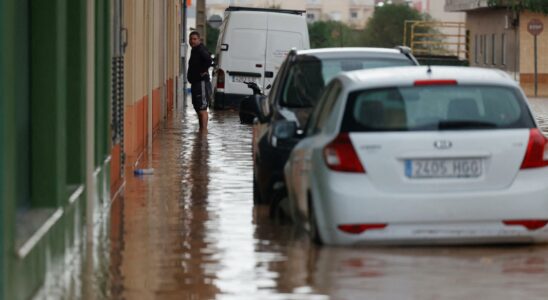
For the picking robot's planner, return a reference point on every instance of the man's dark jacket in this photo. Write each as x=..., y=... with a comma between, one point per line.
x=199, y=63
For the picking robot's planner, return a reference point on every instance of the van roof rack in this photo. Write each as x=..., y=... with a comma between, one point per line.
x=286, y=11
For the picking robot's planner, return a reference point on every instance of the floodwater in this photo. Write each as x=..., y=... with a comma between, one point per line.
x=191, y=231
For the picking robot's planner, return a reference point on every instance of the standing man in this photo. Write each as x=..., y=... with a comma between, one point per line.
x=198, y=76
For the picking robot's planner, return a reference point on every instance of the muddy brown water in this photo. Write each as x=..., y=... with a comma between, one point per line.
x=191, y=231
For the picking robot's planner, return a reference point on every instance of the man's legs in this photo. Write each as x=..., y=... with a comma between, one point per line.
x=202, y=119
x=200, y=98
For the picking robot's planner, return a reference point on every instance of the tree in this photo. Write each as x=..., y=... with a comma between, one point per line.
x=385, y=28
x=332, y=34
x=519, y=5
x=211, y=38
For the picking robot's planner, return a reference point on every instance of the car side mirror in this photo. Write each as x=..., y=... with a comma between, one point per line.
x=284, y=133
x=262, y=109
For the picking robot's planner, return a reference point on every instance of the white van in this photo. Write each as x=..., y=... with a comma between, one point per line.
x=252, y=45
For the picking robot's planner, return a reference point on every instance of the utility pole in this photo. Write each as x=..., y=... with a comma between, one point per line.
x=201, y=19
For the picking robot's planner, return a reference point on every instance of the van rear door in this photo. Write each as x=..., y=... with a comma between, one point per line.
x=285, y=31
x=246, y=42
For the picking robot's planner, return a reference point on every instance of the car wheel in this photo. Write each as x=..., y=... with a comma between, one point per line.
x=278, y=207
x=313, y=224
x=256, y=193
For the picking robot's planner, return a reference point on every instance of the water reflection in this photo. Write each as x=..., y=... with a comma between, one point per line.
x=432, y=273
x=191, y=231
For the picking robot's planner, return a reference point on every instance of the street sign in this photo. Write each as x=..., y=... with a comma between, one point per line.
x=215, y=21
x=535, y=27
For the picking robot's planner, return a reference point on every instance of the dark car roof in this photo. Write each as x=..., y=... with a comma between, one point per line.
x=326, y=53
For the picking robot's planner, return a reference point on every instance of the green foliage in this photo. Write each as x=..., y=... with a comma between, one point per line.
x=385, y=28
x=333, y=34
x=520, y=5
x=211, y=38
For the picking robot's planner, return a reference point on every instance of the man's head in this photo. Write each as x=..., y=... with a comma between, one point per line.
x=194, y=39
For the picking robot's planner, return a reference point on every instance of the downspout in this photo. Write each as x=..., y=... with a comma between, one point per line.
x=183, y=48
x=150, y=73
x=164, y=108
x=90, y=120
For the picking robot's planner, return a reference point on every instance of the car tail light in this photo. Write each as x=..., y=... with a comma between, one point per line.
x=359, y=228
x=340, y=155
x=220, y=79
x=435, y=82
x=529, y=224
x=537, y=152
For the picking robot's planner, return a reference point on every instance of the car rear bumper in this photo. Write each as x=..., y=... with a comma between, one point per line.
x=463, y=217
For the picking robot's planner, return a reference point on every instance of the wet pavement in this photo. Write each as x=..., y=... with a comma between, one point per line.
x=191, y=231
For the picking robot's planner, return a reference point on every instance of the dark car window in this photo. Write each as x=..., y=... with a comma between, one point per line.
x=308, y=76
x=321, y=113
x=435, y=108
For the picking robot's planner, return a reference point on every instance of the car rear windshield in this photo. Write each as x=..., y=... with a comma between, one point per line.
x=307, y=78
x=422, y=108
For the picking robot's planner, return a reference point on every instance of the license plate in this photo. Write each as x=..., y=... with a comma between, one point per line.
x=444, y=168
x=244, y=79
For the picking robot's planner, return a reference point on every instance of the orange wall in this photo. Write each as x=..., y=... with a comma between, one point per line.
x=115, y=167
x=134, y=130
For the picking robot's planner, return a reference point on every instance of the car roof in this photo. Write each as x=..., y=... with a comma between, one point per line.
x=345, y=51
x=406, y=76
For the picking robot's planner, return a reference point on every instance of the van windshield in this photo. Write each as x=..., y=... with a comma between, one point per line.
x=307, y=78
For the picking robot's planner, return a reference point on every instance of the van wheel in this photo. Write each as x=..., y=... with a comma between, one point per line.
x=313, y=223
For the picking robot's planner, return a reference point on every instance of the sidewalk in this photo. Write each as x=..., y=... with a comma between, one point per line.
x=540, y=110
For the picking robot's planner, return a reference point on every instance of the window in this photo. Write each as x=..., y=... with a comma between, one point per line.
x=493, y=49
x=503, y=49
x=335, y=15
x=317, y=117
x=310, y=17
x=353, y=15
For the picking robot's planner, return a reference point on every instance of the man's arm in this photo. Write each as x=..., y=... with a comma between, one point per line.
x=206, y=58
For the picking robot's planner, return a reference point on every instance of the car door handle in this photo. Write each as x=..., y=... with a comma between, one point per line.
x=268, y=74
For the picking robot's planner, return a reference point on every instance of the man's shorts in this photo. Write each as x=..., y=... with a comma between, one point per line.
x=201, y=93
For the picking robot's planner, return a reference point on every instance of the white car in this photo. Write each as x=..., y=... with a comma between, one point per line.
x=420, y=155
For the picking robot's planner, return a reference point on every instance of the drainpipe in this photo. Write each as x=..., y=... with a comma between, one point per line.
x=164, y=80
x=183, y=48
x=150, y=72
x=90, y=120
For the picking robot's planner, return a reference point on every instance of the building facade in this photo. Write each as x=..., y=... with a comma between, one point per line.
x=84, y=84
x=499, y=38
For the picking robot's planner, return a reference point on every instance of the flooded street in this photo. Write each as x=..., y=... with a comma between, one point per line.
x=191, y=231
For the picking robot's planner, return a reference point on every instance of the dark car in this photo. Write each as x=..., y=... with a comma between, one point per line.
x=294, y=93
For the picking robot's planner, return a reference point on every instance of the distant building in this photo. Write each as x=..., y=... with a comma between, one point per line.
x=499, y=38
